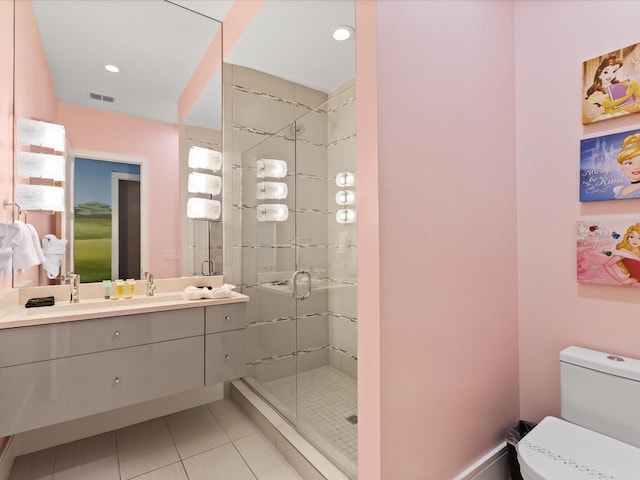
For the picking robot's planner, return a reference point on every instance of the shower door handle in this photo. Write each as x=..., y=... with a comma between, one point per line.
x=294, y=285
x=211, y=267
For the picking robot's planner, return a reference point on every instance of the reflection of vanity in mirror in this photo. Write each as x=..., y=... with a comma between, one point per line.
x=128, y=133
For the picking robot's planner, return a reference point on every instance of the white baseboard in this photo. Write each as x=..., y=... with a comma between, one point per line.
x=492, y=466
x=46, y=437
x=6, y=459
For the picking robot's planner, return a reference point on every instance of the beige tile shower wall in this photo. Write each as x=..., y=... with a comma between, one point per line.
x=257, y=105
x=342, y=253
x=195, y=237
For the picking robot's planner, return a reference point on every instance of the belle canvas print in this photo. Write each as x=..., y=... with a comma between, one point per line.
x=610, y=167
x=611, y=85
x=608, y=250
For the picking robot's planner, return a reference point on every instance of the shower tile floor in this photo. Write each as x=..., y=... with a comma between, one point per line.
x=214, y=442
x=326, y=397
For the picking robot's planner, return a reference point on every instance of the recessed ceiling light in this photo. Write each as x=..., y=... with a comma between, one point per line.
x=342, y=33
x=111, y=68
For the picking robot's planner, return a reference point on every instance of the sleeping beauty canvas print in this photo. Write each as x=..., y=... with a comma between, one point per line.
x=608, y=250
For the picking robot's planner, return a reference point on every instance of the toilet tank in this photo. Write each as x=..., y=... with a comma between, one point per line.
x=601, y=392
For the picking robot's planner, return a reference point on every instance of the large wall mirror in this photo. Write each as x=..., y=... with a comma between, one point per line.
x=135, y=84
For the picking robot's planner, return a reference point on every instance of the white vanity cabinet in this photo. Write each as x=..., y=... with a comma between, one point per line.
x=58, y=372
x=225, y=342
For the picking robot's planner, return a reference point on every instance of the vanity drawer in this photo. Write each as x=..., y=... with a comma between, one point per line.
x=225, y=357
x=44, y=393
x=44, y=342
x=221, y=318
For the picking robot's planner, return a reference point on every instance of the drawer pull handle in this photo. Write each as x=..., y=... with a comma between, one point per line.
x=117, y=380
x=117, y=334
x=227, y=317
x=227, y=357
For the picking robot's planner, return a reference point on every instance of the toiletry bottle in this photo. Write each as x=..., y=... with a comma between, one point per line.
x=114, y=290
x=119, y=288
x=131, y=290
x=106, y=285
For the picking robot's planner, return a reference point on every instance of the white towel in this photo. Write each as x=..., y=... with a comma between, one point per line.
x=35, y=241
x=19, y=236
x=5, y=261
x=6, y=250
x=221, y=292
x=54, y=250
x=195, y=293
x=192, y=293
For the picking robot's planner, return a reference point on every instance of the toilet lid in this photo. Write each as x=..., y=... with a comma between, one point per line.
x=556, y=449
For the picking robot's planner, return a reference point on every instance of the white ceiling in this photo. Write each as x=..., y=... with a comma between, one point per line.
x=291, y=39
x=147, y=39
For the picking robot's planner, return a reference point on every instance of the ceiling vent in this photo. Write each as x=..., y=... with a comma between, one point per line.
x=100, y=97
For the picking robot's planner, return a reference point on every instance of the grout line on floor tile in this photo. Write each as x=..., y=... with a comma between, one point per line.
x=55, y=461
x=156, y=469
x=204, y=451
x=175, y=445
x=225, y=430
x=115, y=440
x=245, y=461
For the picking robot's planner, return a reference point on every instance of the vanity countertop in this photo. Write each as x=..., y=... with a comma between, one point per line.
x=19, y=316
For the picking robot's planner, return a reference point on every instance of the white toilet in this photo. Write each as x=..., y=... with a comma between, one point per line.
x=599, y=435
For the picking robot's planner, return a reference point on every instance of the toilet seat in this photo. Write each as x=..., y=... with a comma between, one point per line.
x=556, y=449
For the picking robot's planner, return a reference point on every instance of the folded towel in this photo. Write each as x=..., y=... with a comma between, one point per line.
x=192, y=293
x=221, y=292
x=196, y=293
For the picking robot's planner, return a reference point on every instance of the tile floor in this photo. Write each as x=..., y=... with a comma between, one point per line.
x=325, y=398
x=213, y=442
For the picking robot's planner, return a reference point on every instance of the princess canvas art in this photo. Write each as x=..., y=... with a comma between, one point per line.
x=610, y=167
x=608, y=250
x=611, y=85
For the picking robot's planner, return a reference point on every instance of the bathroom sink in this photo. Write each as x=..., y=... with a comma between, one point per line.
x=103, y=304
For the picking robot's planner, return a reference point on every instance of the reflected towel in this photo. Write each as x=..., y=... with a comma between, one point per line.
x=54, y=250
x=5, y=261
x=20, y=237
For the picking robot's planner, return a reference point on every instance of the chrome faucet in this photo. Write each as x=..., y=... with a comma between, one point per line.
x=74, y=284
x=151, y=287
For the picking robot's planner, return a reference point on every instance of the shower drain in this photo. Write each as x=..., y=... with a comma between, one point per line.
x=352, y=419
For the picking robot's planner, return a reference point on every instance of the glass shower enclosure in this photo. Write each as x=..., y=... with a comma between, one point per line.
x=298, y=250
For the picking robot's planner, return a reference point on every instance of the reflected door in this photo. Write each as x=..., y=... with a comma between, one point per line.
x=127, y=249
x=96, y=240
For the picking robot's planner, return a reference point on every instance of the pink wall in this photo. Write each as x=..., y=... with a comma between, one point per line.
x=6, y=115
x=554, y=310
x=6, y=130
x=34, y=99
x=127, y=135
x=368, y=227
x=447, y=221
x=211, y=62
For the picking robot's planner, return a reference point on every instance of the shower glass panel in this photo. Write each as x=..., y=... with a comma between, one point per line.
x=268, y=262
x=300, y=273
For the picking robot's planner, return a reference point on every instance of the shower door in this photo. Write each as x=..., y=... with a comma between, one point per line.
x=298, y=267
x=268, y=258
